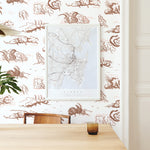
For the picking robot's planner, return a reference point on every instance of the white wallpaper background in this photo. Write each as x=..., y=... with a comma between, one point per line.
x=23, y=56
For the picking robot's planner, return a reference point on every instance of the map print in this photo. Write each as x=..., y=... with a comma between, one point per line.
x=72, y=59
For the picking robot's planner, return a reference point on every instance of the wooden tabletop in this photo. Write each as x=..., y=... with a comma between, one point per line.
x=57, y=137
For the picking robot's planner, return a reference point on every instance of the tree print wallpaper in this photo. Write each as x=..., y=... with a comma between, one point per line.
x=24, y=57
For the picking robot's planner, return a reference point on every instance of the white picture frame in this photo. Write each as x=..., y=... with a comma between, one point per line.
x=73, y=62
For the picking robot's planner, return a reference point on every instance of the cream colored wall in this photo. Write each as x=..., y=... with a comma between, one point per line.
x=140, y=76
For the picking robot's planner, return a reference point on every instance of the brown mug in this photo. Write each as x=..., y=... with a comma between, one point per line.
x=92, y=128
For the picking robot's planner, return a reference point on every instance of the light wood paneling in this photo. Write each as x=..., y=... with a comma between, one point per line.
x=139, y=109
x=142, y=132
x=142, y=65
x=142, y=17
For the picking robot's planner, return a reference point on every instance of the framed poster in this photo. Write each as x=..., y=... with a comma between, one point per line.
x=73, y=62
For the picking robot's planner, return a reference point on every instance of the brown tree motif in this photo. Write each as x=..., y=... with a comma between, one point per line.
x=104, y=119
x=17, y=73
x=42, y=9
x=106, y=63
x=24, y=40
x=6, y=100
x=107, y=47
x=34, y=101
x=37, y=25
x=75, y=17
x=116, y=104
x=77, y=110
x=8, y=23
x=24, y=89
x=23, y=14
x=13, y=55
x=17, y=115
x=81, y=3
x=31, y=104
x=115, y=40
x=112, y=83
x=113, y=8
x=54, y=4
x=103, y=97
x=43, y=49
x=17, y=1
x=115, y=115
x=0, y=10
x=40, y=59
x=116, y=29
x=38, y=83
x=102, y=21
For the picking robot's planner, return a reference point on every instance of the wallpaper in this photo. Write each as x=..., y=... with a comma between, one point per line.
x=24, y=57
